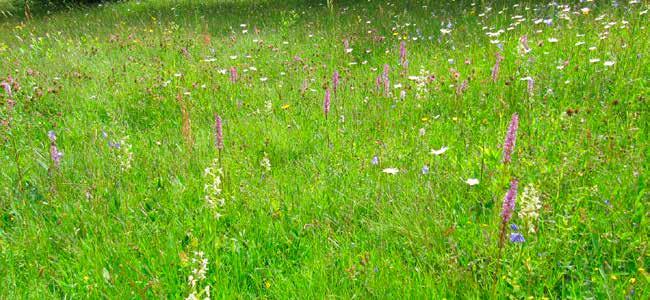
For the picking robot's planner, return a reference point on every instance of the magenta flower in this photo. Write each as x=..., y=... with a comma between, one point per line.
x=233, y=75
x=218, y=132
x=509, y=202
x=326, y=102
x=335, y=80
x=511, y=138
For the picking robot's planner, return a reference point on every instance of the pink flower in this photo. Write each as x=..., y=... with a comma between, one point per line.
x=511, y=138
x=326, y=102
x=55, y=154
x=218, y=132
x=386, y=80
x=402, y=54
x=233, y=75
x=7, y=88
x=524, y=43
x=335, y=80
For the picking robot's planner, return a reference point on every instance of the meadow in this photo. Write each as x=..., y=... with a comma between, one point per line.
x=313, y=149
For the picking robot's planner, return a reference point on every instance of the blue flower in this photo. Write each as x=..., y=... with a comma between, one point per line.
x=517, y=238
x=514, y=227
x=425, y=170
x=375, y=160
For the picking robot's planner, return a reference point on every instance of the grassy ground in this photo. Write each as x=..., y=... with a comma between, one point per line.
x=131, y=89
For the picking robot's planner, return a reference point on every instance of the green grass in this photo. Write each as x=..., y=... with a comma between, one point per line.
x=324, y=222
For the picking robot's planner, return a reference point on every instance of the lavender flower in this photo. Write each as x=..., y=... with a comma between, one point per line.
x=495, y=69
x=402, y=54
x=218, y=132
x=55, y=154
x=52, y=136
x=531, y=85
x=386, y=80
x=511, y=138
x=514, y=227
x=425, y=170
x=7, y=88
x=326, y=102
x=516, y=237
x=509, y=202
x=375, y=160
x=335, y=80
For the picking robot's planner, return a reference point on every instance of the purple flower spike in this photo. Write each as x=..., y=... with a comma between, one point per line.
x=218, y=132
x=55, y=154
x=326, y=102
x=509, y=202
x=511, y=138
x=335, y=80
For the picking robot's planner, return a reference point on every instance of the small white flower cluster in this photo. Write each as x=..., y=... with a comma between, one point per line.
x=198, y=274
x=212, y=187
x=421, y=82
x=125, y=156
x=265, y=163
x=530, y=206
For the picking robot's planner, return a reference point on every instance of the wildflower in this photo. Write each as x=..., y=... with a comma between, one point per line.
x=375, y=160
x=495, y=69
x=530, y=84
x=439, y=151
x=326, y=102
x=472, y=181
x=511, y=137
x=346, y=46
x=516, y=237
x=5, y=85
x=55, y=154
x=265, y=163
x=233, y=75
x=218, y=132
x=212, y=188
x=335, y=81
x=462, y=87
x=524, y=43
x=391, y=171
x=125, y=156
x=530, y=206
x=425, y=170
x=200, y=269
x=402, y=54
x=509, y=201
x=385, y=79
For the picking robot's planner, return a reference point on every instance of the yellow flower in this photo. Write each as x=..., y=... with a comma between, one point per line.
x=285, y=106
x=267, y=284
